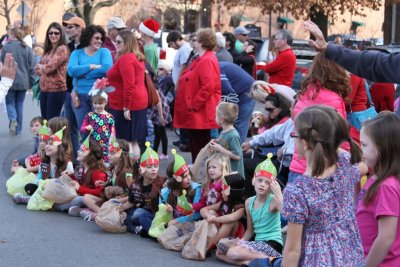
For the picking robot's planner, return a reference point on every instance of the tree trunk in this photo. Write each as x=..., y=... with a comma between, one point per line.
x=320, y=19
x=387, y=24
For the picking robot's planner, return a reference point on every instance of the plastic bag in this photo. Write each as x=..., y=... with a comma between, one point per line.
x=161, y=218
x=17, y=182
x=59, y=190
x=196, y=247
x=176, y=236
x=37, y=202
x=110, y=218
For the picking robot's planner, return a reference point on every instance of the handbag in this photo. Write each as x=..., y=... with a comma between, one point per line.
x=152, y=93
x=357, y=118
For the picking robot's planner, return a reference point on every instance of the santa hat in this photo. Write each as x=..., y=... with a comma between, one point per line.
x=44, y=132
x=85, y=145
x=58, y=136
x=149, y=27
x=180, y=166
x=183, y=205
x=148, y=157
x=113, y=146
x=266, y=169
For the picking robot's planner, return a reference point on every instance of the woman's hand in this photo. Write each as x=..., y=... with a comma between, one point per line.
x=9, y=68
x=127, y=114
x=94, y=66
x=249, y=49
x=246, y=146
x=319, y=44
x=162, y=121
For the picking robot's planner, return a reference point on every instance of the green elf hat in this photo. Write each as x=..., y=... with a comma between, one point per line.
x=266, y=169
x=183, y=206
x=85, y=145
x=58, y=136
x=113, y=146
x=180, y=166
x=44, y=132
x=148, y=157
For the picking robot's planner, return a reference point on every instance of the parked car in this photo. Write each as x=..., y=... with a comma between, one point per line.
x=304, y=56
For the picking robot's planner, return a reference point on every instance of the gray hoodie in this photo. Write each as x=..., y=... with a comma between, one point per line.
x=25, y=58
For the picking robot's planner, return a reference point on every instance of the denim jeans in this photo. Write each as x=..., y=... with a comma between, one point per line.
x=15, y=107
x=243, y=120
x=76, y=201
x=293, y=176
x=70, y=116
x=138, y=216
x=80, y=112
x=51, y=104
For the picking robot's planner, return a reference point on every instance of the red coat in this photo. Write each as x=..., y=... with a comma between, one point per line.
x=199, y=92
x=358, y=95
x=127, y=76
x=281, y=70
x=382, y=95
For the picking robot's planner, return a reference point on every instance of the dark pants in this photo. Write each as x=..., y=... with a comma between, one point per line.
x=70, y=116
x=184, y=137
x=138, y=216
x=51, y=104
x=197, y=140
x=160, y=134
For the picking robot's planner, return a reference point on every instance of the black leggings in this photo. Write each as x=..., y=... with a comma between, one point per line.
x=160, y=134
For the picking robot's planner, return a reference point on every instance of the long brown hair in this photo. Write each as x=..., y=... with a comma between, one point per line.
x=18, y=34
x=325, y=73
x=383, y=130
x=318, y=130
x=57, y=123
x=94, y=161
x=130, y=45
x=48, y=47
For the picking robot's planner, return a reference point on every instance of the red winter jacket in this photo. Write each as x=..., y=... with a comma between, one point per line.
x=358, y=96
x=281, y=70
x=90, y=188
x=382, y=95
x=127, y=76
x=199, y=92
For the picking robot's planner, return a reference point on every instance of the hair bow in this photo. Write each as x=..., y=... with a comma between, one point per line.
x=231, y=98
x=101, y=87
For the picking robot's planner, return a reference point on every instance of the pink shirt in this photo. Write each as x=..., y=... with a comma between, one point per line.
x=385, y=203
x=212, y=197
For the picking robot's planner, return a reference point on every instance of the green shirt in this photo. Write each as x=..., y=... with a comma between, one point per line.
x=266, y=225
x=239, y=46
x=230, y=140
x=151, y=53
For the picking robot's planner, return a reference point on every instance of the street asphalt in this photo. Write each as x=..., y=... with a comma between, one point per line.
x=34, y=238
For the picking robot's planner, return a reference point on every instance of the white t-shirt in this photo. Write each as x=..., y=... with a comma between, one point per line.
x=180, y=58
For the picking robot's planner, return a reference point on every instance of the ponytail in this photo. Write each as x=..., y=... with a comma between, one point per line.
x=355, y=151
x=318, y=160
x=17, y=33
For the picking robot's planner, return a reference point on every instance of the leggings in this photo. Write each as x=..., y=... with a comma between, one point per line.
x=160, y=135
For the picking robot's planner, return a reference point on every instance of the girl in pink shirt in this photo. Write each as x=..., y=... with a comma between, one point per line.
x=378, y=208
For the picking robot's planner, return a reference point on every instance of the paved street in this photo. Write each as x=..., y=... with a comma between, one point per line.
x=32, y=238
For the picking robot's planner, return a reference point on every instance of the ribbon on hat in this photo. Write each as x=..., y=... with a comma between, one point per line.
x=267, y=88
x=101, y=87
x=230, y=98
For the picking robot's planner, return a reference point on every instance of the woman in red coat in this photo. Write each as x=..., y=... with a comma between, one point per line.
x=128, y=103
x=199, y=91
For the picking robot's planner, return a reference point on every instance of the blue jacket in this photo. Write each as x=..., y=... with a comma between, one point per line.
x=235, y=80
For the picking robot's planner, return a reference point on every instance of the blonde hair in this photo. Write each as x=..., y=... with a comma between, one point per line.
x=130, y=45
x=225, y=165
x=228, y=111
x=38, y=50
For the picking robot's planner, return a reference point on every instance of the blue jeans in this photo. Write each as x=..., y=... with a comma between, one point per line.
x=15, y=107
x=293, y=176
x=51, y=104
x=80, y=112
x=243, y=120
x=70, y=116
x=138, y=216
x=76, y=201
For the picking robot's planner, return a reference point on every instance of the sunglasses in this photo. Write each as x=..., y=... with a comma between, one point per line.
x=54, y=33
x=193, y=40
x=293, y=135
x=69, y=27
x=270, y=109
x=98, y=38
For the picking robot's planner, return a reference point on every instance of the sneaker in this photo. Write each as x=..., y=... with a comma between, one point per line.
x=88, y=215
x=20, y=198
x=176, y=143
x=138, y=229
x=75, y=211
x=284, y=230
x=13, y=127
x=163, y=156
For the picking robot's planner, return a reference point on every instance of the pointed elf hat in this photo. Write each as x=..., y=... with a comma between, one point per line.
x=44, y=132
x=58, y=136
x=85, y=145
x=113, y=146
x=183, y=205
x=180, y=166
x=266, y=169
x=148, y=157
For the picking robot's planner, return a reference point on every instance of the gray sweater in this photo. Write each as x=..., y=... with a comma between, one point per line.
x=25, y=58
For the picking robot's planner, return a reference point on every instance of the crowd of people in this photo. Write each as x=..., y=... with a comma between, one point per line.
x=301, y=171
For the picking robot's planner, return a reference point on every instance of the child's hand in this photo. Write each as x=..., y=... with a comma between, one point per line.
x=172, y=222
x=89, y=128
x=100, y=183
x=211, y=218
x=66, y=172
x=246, y=146
x=275, y=188
x=169, y=208
x=162, y=121
x=215, y=146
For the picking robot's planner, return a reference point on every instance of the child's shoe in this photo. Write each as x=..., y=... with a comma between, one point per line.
x=75, y=211
x=20, y=198
x=138, y=229
x=88, y=215
x=163, y=156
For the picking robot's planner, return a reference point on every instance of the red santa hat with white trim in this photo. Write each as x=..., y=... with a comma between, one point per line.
x=149, y=27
